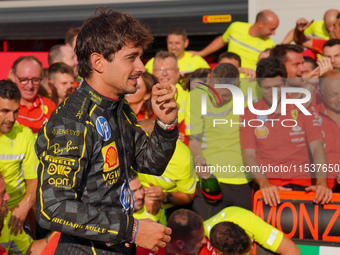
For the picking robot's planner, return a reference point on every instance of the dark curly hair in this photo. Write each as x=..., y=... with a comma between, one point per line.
x=229, y=238
x=9, y=90
x=107, y=32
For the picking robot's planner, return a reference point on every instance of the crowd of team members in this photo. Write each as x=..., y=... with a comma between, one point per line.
x=313, y=141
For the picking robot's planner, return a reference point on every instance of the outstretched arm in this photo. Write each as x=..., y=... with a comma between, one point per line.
x=323, y=194
x=289, y=37
x=212, y=47
x=287, y=247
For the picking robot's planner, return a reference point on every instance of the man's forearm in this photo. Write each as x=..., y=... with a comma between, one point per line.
x=212, y=47
x=155, y=146
x=320, y=161
x=28, y=201
x=179, y=198
x=299, y=37
x=249, y=160
x=195, y=145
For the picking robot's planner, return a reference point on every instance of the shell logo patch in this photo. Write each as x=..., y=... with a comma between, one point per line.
x=110, y=156
x=261, y=132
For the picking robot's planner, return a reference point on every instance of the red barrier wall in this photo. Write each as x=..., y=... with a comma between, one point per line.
x=7, y=59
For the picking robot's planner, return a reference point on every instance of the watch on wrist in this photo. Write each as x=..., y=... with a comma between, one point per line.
x=169, y=198
x=167, y=126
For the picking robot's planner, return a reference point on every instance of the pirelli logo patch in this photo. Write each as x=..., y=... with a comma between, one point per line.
x=110, y=156
x=60, y=160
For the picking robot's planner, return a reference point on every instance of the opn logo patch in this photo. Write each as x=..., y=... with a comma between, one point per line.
x=110, y=156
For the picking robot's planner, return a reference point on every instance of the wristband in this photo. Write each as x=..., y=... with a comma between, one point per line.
x=134, y=230
x=167, y=126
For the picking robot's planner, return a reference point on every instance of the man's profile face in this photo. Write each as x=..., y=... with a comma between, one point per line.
x=330, y=91
x=267, y=86
x=70, y=58
x=122, y=72
x=197, y=240
x=336, y=30
x=269, y=27
x=28, y=69
x=138, y=193
x=176, y=45
x=333, y=53
x=223, y=93
x=166, y=70
x=295, y=68
x=9, y=110
x=63, y=84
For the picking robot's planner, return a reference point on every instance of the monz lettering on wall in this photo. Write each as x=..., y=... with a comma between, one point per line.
x=306, y=221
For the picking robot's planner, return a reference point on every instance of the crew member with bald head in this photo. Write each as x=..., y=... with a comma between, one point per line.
x=321, y=29
x=312, y=43
x=187, y=236
x=35, y=110
x=245, y=39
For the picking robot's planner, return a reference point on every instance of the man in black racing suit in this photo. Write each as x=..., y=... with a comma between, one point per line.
x=93, y=140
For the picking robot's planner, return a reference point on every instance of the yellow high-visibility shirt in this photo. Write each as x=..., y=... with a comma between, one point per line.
x=246, y=46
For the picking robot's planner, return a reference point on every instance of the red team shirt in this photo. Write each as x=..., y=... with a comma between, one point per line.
x=3, y=251
x=331, y=141
x=318, y=45
x=282, y=146
x=35, y=116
